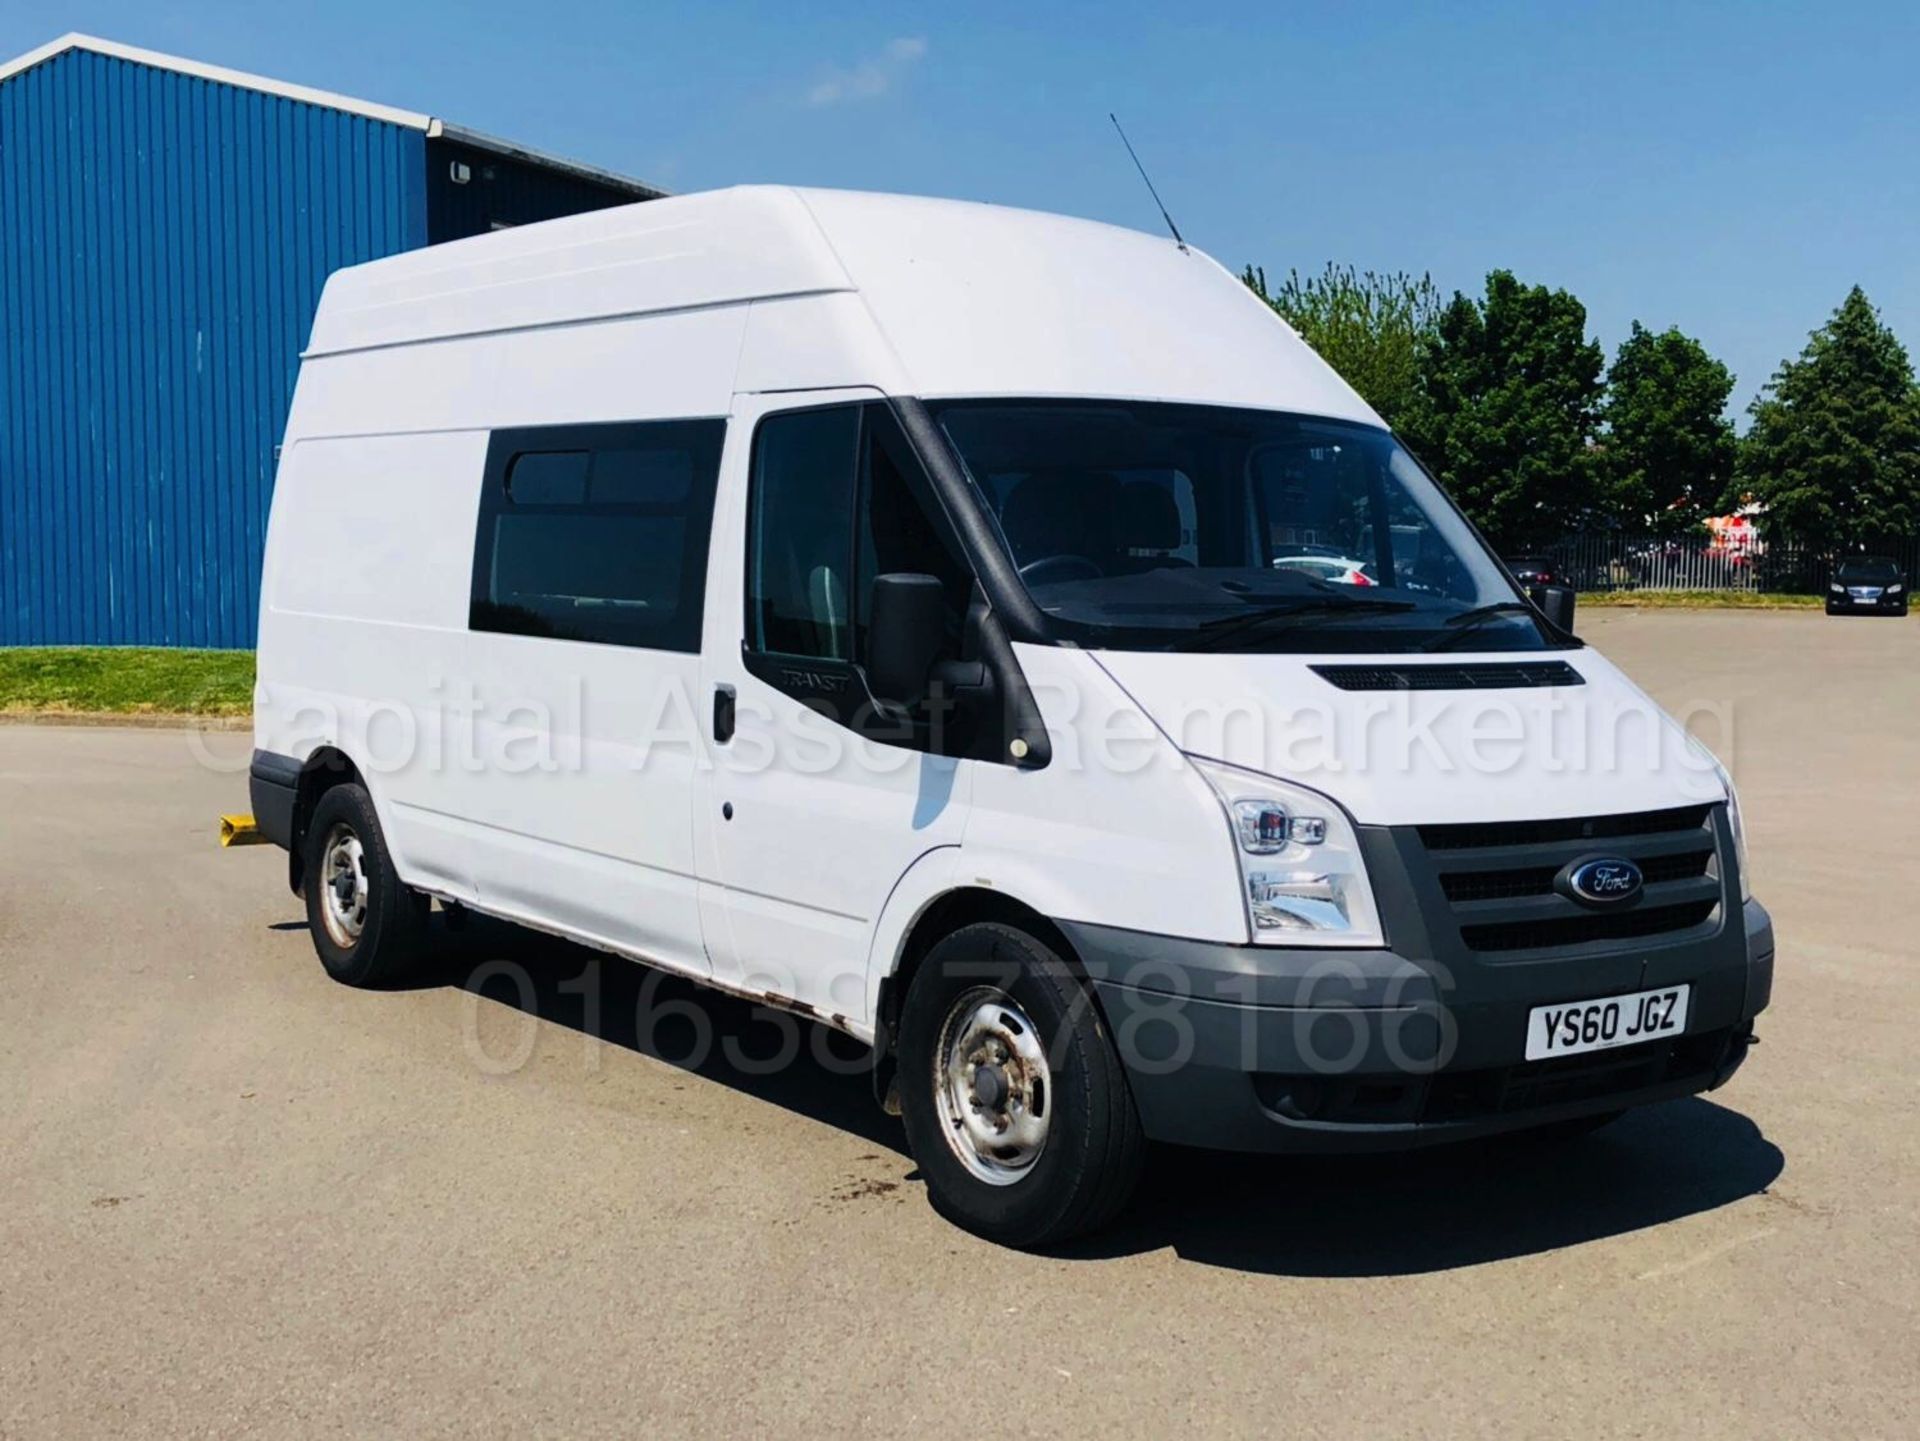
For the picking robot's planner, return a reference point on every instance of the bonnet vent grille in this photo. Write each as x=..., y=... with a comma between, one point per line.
x=1492, y=675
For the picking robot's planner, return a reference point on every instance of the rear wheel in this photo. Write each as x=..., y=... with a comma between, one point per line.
x=367, y=925
x=1015, y=1103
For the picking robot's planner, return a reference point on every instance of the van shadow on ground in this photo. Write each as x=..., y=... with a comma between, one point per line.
x=773, y=1056
x=1452, y=1206
x=1303, y=1216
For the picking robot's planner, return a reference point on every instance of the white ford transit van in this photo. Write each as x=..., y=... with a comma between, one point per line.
x=998, y=637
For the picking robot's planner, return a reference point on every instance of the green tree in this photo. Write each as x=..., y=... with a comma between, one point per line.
x=1668, y=453
x=1369, y=327
x=1509, y=395
x=1834, y=450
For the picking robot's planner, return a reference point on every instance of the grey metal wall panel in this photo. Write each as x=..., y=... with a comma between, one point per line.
x=503, y=190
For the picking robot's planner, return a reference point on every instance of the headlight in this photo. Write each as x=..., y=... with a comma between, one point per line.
x=1739, y=832
x=1837, y=588
x=1300, y=867
x=1896, y=587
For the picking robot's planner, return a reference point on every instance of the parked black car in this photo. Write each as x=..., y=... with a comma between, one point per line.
x=1867, y=585
x=1547, y=586
x=1531, y=570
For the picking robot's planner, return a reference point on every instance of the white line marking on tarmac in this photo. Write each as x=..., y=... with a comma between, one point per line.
x=1674, y=1268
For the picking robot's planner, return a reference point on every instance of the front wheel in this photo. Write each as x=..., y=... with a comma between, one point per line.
x=1014, y=1100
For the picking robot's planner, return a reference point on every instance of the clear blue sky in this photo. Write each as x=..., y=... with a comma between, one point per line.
x=1727, y=167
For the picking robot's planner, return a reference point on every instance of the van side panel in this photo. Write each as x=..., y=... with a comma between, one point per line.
x=816, y=342
x=363, y=626
x=509, y=769
x=585, y=818
x=392, y=573
x=653, y=368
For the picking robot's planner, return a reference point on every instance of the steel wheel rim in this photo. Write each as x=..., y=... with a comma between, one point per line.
x=343, y=886
x=992, y=1087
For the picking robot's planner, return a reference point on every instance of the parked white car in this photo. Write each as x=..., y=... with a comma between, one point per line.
x=865, y=605
x=1333, y=569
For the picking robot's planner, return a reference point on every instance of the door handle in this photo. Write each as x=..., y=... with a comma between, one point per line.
x=723, y=713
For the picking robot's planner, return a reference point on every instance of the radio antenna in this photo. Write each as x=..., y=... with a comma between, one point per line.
x=1150, y=190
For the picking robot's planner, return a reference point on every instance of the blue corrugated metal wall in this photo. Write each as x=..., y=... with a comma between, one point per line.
x=163, y=240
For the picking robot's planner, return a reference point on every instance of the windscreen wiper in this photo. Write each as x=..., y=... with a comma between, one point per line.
x=1212, y=633
x=1460, y=626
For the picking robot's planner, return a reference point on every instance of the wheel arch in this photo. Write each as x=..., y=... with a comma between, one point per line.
x=328, y=766
x=938, y=914
x=947, y=913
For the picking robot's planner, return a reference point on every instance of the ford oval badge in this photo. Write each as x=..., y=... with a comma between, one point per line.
x=1605, y=881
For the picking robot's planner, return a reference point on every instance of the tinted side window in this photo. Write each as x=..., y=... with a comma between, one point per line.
x=634, y=475
x=597, y=532
x=549, y=477
x=800, y=533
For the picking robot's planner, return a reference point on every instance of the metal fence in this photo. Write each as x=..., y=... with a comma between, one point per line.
x=1612, y=560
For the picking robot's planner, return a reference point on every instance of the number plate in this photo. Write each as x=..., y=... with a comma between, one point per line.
x=1577, y=1026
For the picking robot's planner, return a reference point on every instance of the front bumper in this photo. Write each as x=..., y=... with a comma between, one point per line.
x=1876, y=604
x=1249, y=1048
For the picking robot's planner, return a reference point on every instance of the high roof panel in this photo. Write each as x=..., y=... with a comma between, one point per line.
x=981, y=300
x=719, y=248
x=961, y=298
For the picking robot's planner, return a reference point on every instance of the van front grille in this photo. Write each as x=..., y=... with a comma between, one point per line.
x=1577, y=828
x=1498, y=878
x=1538, y=880
x=1589, y=926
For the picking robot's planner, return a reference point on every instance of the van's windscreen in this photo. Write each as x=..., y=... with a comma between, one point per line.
x=1151, y=526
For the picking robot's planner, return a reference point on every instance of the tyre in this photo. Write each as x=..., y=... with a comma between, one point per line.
x=1014, y=1101
x=368, y=927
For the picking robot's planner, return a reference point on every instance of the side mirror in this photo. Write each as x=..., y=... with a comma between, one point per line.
x=907, y=629
x=1555, y=602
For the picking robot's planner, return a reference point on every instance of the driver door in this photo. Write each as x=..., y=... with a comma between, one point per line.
x=805, y=825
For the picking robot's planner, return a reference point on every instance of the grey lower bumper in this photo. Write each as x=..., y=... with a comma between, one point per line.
x=1275, y=1049
x=273, y=783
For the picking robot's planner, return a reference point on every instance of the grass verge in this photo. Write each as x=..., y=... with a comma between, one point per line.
x=125, y=680
x=1698, y=600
